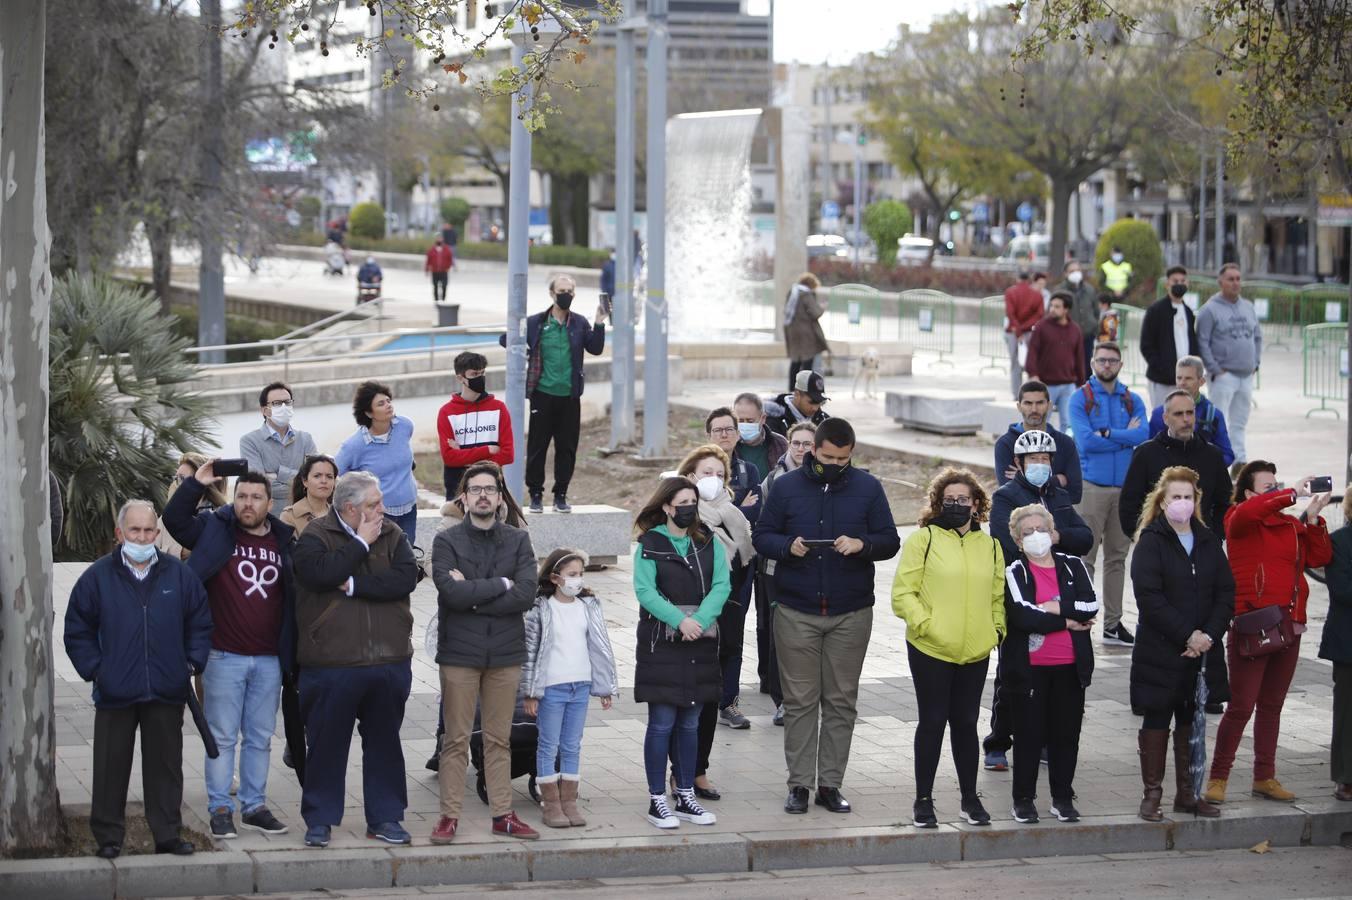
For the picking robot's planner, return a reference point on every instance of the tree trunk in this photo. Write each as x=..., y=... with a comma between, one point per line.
x=211, y=276
x=581, y=211
x=1062, y=188
x=560, y=197
x=30, y=810
x=160, y=236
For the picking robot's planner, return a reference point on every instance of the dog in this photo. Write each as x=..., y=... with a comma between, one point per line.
x=868, y=373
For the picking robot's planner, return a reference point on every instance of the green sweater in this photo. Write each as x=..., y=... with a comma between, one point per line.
x=662, y=609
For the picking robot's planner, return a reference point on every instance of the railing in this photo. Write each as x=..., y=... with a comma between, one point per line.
x=325, y=322
x=1129, y=339
x=853, y=312
x=1324, y=361
x=991, y=335
x=925, y=321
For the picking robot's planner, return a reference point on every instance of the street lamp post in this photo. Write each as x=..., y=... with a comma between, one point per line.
x=655, y=334
x=622, y=304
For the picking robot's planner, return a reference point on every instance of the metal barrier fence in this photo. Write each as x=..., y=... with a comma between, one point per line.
x=853, y=312
x=763, y=307
x=1324, y=361
x=991, y=335
x=1321, y=303
x=925, y=321
x=1278, y=308
x=1129, y=339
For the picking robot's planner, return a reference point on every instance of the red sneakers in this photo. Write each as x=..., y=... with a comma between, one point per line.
x=510, y=826
x=444, y=833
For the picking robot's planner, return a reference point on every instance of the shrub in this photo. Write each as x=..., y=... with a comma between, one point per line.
x=238, y=330
x=455, y=210
x=957, y=282
x=366, y=220
x=1141, y=247
x=886, y=222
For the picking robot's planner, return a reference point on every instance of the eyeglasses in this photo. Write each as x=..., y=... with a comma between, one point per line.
x=1024, y=532
x=724, y=431
x=1106, y=361
x=482, y=490
x=951, y=502
x=276, y=403
x=800, y=445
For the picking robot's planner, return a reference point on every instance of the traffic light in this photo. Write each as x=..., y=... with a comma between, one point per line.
x=954, y=215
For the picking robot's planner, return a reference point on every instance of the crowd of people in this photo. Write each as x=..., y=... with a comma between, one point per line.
x=293, y=594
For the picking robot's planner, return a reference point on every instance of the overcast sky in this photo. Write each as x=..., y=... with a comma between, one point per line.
x=835, y=31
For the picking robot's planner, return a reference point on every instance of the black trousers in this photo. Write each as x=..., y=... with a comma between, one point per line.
x=161, y=726
x=1160, y=718
x=1049, y=713
x=1001, y=737
x=439, y=286
x=767, y=660
x=948, y=695
x=556, y=419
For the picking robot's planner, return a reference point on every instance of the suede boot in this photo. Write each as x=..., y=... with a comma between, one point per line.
x=1186, y=799
x=1152, y=744
x=568, y=799
x=549, y=801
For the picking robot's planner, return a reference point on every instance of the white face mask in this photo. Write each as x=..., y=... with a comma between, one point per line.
x=1037, y=544
x=1117, y=257
x=282, y=414
x=1075, y=277
x=571, y=587
x=709, y=487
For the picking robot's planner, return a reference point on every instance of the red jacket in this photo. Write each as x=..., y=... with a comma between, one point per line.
x=1056, y=353
x=474, y=426
x=1269, y=551
x=1023, y=308
x=439, y=259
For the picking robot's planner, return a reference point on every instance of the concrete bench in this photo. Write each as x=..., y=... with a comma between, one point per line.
x=938, y=410
x=602, y=532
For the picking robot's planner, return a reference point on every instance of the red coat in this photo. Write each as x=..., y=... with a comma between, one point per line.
x=475, y=427
x=1023, y=308
x=1269, y=551
x=439, y=259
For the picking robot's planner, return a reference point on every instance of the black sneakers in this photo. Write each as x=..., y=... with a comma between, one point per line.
x=923, y=812
x=223, y=823
x=974, y=812
x=688, y=808
x=261, y=820
x=659, y=813
x=537, y=503
x=1025, y=811
x=1118, y=635
x=1065, y=811
x=561, y=504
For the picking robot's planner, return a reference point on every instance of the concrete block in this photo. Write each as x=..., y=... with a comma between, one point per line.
x=277, y=871
x=675, y=854
x=1329, y=821
x=602, y=532
x=860, y=846
x=1107, y=834
x=57, y=879
x=1284, y=826
x=465, y=864
x=997, y=416
x=937, y=410
x=175, y=876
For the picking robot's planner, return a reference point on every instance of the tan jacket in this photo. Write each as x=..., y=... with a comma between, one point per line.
x=302, y=513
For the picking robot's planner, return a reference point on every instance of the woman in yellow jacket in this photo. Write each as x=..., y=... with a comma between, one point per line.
x=950, y=589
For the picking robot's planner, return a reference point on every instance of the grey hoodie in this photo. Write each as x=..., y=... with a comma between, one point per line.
x=1229, y=336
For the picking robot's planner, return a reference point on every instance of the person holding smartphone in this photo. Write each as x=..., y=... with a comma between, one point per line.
x=1269, y=552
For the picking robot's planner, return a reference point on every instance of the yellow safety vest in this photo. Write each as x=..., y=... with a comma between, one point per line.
x=1116, y=276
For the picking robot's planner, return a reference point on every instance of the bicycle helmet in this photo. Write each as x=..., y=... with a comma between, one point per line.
x=1034, y=442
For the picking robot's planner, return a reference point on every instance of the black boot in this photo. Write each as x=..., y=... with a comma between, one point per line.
x=434, y=761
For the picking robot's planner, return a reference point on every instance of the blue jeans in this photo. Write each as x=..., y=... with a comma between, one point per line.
x=240, y=698
x=562, y=716
x=1060, y=397
x=408, y=523
x=663, y=719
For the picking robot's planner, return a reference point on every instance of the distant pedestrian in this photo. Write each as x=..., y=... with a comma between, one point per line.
x=1168, y=334
x=1117, y=275
x=484, y=570
x=555, y=342
x=568, y=661
x=276, y=449
x=1023, y=310
x=1046, y=660
x=1056, y=357
x=824, y=617
x=1190, y=376
x=608, y=276
x=1108, y=421
x=473, y=425
x=1186, y=596
x=449, y=235
x=950, y=590
x=1336, y=647
x=1269, y=551
x=805, y=403
x=1108, y=320
x=311, y=492
x=383, y=446
x=681, y=581
x=355, y=573
x=804, y=339
x=438, y=264
x=1230, y=342
x=1083, y=308
x=138, y=625
x=1034, y=407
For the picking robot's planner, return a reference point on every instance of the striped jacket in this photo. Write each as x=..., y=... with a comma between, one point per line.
x=1024, y=619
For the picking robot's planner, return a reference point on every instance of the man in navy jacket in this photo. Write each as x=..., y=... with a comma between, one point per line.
x=126, y=603
x=1034, y=405
x=825, y=524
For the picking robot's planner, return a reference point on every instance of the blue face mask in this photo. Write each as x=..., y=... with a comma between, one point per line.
x=1037, y=473
x=138, y=553
x=748, y=431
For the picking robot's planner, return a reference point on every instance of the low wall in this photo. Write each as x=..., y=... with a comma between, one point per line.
x=278, y=311
x=742, y=360
x=585, y=278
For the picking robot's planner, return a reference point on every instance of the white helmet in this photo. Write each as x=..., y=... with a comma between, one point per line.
x=1034, y=442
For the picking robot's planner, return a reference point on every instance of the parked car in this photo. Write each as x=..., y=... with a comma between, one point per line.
x=1028, y=250
x=827, y=245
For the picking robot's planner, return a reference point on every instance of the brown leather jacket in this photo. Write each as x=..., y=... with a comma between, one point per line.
x=374, y=625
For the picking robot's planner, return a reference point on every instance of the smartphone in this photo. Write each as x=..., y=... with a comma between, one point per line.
x=1321, y=485
x=819, y=544
x=229, y=468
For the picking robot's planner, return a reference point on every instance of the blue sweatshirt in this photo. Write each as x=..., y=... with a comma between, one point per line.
x=1095, y=409
x=391, y=462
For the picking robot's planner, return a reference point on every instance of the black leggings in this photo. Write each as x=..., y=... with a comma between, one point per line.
x=947, y=694
x=1159, y=718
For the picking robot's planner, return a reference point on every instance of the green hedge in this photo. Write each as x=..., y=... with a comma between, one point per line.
x=238, y=330
x=540, y=254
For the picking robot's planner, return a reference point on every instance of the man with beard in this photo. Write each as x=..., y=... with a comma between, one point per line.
x=1034, y=405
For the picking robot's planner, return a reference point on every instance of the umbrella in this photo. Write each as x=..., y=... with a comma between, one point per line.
x=1197, y=742
x=293, y=726
x=199, y=719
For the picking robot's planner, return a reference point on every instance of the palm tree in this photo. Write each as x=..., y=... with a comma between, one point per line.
x=122, y=408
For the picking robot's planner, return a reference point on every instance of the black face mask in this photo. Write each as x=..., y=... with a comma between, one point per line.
x=1178, y=290
x=829, y=472
x=563, y=299
x=684, y=516
x=953, y=517
x=478, y=384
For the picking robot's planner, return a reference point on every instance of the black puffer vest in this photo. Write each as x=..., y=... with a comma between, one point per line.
x=683, y=673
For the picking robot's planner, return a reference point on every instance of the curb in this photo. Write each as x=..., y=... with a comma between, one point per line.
x=1312, y=824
